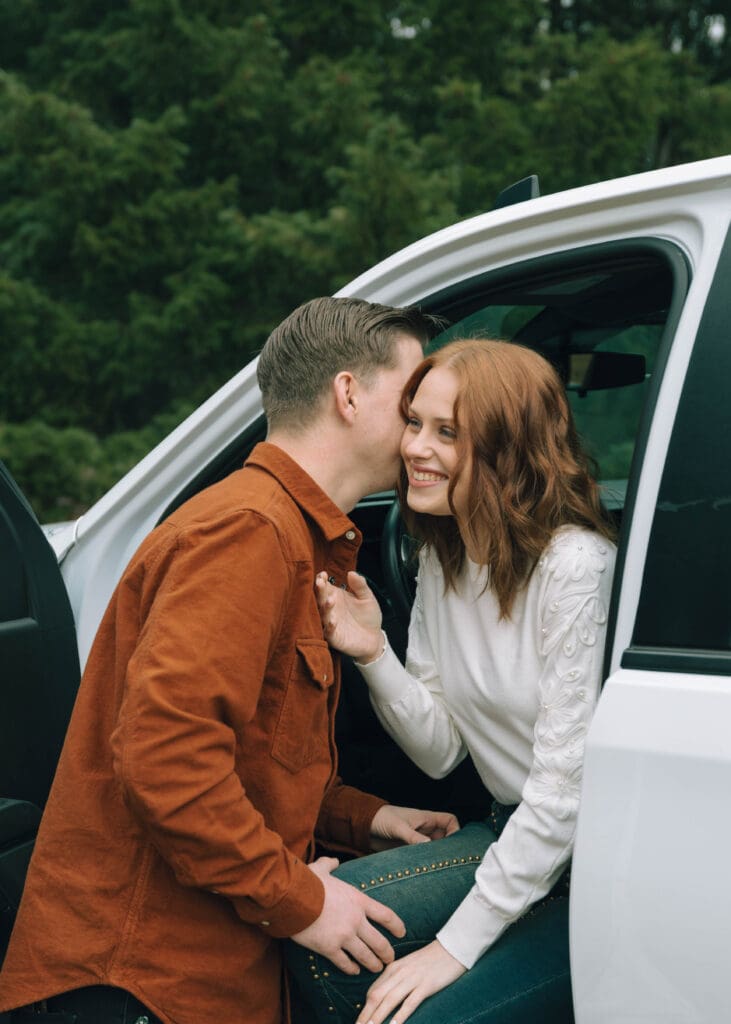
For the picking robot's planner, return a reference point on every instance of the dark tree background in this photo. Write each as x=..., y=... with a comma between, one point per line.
x=177, y=175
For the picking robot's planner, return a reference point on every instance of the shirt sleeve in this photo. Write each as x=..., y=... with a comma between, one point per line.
x=345, y=818
x=192, y=682
x=522, y=866
x=409, y=700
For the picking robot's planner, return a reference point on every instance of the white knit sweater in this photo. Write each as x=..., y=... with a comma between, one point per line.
x=518, y=694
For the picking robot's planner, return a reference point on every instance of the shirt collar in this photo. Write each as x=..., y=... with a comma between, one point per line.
x=302, y=488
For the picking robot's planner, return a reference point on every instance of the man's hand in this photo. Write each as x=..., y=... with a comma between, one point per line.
x=351, y=619
x=407, y=983
x=398, y=826
x=343, y=932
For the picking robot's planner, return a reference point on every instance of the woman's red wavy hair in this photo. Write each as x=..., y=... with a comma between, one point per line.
x=528, y=473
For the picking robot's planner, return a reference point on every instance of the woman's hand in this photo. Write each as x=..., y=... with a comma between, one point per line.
x=400, y=826
x=407, y=982
x=351, y=619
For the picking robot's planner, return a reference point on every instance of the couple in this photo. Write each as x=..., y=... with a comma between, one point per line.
x=177, y=845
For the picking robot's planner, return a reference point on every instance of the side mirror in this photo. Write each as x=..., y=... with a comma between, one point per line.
x=597, y=371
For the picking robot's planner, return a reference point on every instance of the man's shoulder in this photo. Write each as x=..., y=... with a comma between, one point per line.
x=247, y=500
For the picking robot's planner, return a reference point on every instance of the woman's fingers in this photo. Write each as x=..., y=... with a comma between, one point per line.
x=358, y=585
x=406, y=983
x=384, y=996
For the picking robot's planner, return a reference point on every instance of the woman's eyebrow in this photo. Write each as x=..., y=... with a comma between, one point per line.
x=412, y=409
x=437, y=419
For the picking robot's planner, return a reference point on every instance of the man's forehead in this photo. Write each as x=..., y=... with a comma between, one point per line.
x=410, y=349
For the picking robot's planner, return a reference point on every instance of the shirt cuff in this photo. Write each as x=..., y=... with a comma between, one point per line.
x=345, y=818
x=387, y=679
x=375, y=661
x=471, y=929
x=298, y=908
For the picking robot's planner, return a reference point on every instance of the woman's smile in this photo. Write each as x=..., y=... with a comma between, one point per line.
x=425, y=477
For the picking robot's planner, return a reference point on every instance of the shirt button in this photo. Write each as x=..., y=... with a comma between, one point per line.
x=350, y=535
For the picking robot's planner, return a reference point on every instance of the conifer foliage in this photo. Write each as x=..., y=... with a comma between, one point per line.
x=176, y=175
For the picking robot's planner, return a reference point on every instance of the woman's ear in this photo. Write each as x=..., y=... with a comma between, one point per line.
x=345, y=392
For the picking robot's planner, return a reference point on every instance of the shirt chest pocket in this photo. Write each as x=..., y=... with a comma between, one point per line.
x=302, y=734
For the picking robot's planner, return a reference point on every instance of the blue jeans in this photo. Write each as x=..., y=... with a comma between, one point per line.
x=522, y=979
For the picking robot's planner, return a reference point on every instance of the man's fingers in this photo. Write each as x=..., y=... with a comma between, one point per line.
x=324, y=865
x=378, y=944
x=445, y=824
x=385, y=916
x=411, y=837
x=368, y=948
x=362, y=952
x=342, y=961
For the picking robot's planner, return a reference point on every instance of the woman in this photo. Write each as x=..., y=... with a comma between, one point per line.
x=504, y=663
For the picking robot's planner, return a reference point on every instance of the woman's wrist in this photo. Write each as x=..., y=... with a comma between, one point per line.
x=374, y=653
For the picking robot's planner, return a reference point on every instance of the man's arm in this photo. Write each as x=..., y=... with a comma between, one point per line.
x=345, y=818
x=357, y=822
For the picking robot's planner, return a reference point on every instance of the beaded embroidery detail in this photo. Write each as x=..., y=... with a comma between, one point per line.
x=572, y=622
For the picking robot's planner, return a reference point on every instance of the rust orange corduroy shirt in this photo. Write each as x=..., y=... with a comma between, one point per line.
x=198, y=765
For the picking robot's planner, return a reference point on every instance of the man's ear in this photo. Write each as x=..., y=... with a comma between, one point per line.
x=345, y=392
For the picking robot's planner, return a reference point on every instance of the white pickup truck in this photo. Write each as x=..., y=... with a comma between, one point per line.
x=625, y=286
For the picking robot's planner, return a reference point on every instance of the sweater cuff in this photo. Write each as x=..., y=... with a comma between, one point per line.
x=361, y=664
x=386, y=677
x=471, y=929
x=298, y=908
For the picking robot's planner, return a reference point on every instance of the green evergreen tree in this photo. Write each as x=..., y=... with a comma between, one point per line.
x=176, y=175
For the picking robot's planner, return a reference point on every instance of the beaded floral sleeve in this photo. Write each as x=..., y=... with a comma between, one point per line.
x=576, y=577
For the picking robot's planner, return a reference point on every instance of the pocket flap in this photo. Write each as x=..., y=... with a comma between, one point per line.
x=317, y=658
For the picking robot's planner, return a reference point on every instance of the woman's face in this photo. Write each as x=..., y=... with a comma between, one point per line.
x=429, y=446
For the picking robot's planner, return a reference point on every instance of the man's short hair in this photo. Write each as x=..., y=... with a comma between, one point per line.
x=324, y=337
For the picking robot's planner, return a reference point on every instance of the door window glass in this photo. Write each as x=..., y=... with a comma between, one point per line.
x=601, y=326
x=684, y=616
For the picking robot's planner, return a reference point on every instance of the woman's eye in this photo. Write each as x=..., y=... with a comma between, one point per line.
x=449, y=433
x=413, y=422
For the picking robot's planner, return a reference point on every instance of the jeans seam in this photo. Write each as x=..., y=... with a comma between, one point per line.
x=332, y=1001
x=513, y=999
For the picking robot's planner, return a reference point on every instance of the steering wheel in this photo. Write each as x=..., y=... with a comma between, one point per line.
x=398, y=562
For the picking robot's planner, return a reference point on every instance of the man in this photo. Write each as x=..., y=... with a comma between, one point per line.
x=200, y=763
